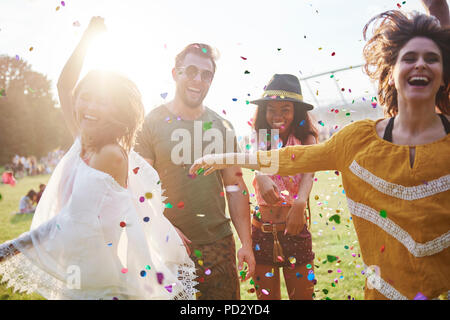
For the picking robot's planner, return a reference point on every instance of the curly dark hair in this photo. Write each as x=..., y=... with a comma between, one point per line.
x=392, y=30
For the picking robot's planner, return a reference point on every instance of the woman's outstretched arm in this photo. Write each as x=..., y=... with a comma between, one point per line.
x=71, y=72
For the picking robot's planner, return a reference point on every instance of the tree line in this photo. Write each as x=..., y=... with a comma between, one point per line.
x=31, y=124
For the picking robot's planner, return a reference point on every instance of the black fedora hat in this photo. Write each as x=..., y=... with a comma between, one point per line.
x=283, y=87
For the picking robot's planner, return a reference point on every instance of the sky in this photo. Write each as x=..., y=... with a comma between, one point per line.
x=301, y=37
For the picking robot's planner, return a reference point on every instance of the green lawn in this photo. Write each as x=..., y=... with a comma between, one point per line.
x=329, y=238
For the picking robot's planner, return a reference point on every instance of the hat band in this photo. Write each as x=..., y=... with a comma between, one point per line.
x=282, y=94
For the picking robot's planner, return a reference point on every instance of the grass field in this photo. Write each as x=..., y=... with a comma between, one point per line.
x=337, y=280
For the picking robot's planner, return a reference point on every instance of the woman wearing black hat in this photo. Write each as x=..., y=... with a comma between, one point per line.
x=395, y=171
x=279, y=232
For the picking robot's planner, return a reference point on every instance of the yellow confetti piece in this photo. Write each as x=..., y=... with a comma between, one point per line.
x=57, y=8
x=200, y=262
x=148, y=195
x=31, y=49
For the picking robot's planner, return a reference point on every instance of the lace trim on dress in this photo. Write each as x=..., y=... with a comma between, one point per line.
x=424, y=190
x=417, y=249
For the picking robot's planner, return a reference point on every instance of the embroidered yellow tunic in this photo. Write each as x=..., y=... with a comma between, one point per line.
x=401, y=213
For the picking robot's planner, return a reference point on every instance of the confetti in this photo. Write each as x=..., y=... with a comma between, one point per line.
x=147, y=267
x=336, y=218
x=331, y=258
x=180, y=205
x=264, y=291
x=243, y=273
x=257, y=248
x=123, y=224
x=207, y=272
x=163, y=95
x=76, y=23
x=382, y=248
x=168, y=288
x=204, y=50
x=135, y=170
x=333, y=54
x=63, y=3
x=383, y=213
x=168, y=205
x=146, y=219
x=234, y=99
x=148, y=195
x=198, y=253
x=17, y=57
x=124, y=270
x=420, y=296
x=311, y=276
x=159, y=277
x=243, y=58
x=31, y=49
x=207, y=125
x=232, y=188
x=302, y=122
x=143, y=273
x=246, y=72
x=141, y=199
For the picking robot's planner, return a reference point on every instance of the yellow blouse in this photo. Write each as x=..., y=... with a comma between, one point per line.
x=401, y=214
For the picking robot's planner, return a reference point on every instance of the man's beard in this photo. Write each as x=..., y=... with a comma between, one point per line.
x=190, y=103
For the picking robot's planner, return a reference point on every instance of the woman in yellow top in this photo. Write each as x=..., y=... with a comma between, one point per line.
x=396, y=171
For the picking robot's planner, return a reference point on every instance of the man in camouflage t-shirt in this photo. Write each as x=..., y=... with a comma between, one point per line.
x=174, y=135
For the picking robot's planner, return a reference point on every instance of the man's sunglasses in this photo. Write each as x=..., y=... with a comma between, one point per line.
x=192, y=71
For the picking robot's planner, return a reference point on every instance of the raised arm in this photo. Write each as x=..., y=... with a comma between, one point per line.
x=71, y=72
x=439, y=9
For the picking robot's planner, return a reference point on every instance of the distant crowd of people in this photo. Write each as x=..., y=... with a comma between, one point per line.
x=29, y=201
x=22, y=166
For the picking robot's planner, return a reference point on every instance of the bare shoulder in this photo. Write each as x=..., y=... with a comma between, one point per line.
x=112, y=160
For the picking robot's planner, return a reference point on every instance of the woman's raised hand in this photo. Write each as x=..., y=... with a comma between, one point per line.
x=208, y=164
x=96, y=26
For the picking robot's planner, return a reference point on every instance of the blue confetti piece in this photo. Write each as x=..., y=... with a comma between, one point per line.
x=302, y=122
x=311, y=276
x=257, y=248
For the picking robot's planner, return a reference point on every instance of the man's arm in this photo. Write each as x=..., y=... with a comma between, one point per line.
x=239, y=208
x=439, y=9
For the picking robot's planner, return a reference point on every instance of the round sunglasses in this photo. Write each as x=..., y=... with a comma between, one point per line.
x=192, y=71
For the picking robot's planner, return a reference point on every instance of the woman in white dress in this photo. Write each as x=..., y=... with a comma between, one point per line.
x=99, y=231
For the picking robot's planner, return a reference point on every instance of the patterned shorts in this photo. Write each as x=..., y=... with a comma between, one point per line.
x=298, y=246
x=216, y=270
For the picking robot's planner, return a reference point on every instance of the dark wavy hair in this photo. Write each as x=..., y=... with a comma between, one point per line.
x=300, y=130
x=392, y=30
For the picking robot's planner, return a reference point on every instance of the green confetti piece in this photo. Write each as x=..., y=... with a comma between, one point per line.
x=347, y=114
x=198, y=253
x=331, y=258
x=248, y=146
x=332, y=76
x=325, y=291
x=204, y=50
x=168, y=205
x=336, y=218
x=383, y=213
x=200, y=171
x=207, y=125
x=147, y=267
x=243, y=273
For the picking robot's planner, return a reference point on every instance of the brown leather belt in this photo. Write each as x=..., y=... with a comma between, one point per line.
x=272, y=228
x=268, y=227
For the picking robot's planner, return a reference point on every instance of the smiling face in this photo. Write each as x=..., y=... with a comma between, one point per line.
x=279, y=115
x=92, y=111
x=418, y=71
x=189, y=87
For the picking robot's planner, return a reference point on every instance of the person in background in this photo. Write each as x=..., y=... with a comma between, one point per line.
x=26, y=204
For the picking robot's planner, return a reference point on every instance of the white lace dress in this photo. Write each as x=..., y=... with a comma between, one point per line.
x=93, y=239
